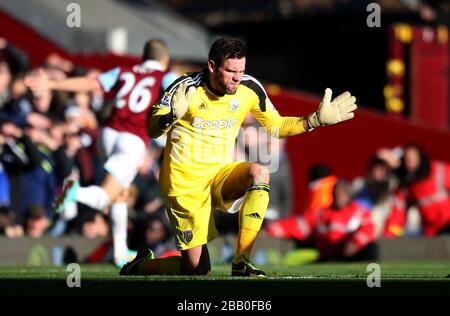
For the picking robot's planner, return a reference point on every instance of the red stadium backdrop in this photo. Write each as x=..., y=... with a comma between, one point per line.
x=429, y=76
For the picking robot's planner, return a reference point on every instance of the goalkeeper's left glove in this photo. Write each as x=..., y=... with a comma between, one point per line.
x=332, y=112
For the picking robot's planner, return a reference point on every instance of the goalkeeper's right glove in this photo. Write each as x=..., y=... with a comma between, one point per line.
x=181, y=100
x=332, y=112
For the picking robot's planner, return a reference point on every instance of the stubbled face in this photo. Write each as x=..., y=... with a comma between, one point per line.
x=412, y=160
x=226, y=77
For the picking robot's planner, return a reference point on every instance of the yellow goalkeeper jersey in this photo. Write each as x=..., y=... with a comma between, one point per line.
x=202, y=141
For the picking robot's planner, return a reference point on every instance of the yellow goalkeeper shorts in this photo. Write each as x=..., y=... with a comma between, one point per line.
x=191, y=214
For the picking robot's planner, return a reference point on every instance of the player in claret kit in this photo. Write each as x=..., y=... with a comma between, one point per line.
x=123, y=139
x=202, y=114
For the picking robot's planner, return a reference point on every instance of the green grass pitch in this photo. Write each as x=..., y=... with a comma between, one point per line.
x=313, y=279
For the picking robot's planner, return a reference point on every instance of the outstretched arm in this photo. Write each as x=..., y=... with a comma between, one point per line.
x=40, y=81
x=329, y=112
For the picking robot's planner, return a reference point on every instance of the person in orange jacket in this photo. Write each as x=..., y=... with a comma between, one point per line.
x=320, y=187
x=321, y=182
x=344, y=231
x=423, y=183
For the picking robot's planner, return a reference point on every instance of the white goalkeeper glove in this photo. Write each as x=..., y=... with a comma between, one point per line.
x=332, y=112
x=181, y=100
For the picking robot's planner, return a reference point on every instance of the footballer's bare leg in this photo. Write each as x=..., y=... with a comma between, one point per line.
x=110, y=193
x=115, y=191
x=94, y=196
x=241, y=178
x=195, y=261
x=119, y=226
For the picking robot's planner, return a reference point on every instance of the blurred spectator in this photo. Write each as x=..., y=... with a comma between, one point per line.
x=320, y=187
x=18, y=89
x=4, y=183
x=344, y=231
x=37, y=221
x=84, y=117
x=96, y=227
x=34, y=112
x=18, y=155
x=42, y=102
x=375, y=191
x=8, y=225
x=423, y=183
x=13, y=62
x=88, y=223
x=81, y=146
x=5, y=80
x=39, y=185
x=154, y=232
x=55, y=61
x=17, y=60
x=148, y=198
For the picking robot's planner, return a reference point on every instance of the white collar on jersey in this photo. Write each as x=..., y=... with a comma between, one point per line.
x=153, y=64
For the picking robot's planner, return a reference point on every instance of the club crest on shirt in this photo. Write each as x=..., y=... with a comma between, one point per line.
x=234, y=105
x=165, y=100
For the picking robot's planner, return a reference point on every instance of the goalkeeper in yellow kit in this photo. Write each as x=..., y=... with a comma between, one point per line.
x=201, y=114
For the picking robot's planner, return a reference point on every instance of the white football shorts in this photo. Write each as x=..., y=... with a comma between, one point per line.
x=122, y=154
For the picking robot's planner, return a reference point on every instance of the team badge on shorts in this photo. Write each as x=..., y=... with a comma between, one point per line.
x=187, y=235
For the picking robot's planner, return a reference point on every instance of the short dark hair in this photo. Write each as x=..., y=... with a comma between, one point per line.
x=225, y=48
x=155, y=49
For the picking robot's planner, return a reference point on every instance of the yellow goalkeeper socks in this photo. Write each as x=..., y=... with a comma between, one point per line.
x=251, y=217
x=245, y=240
x=161, y=266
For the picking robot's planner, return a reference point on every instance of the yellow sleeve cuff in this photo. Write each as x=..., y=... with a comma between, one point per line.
x=291, y=126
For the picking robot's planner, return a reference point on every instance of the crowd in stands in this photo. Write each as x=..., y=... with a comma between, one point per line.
x=46, y=138
x=405, y=193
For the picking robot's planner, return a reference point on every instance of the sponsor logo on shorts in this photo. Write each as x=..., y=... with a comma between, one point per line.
x=200, y=123
x=187, y=235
